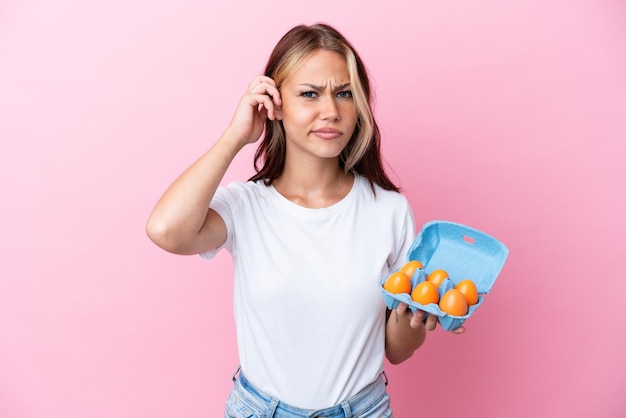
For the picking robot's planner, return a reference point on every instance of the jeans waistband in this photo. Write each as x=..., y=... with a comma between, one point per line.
x=347, y=408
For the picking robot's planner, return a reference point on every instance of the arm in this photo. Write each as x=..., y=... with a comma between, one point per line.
x=405, y=332
x=181, y=221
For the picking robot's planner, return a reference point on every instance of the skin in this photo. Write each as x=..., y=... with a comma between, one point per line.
x=319, y=116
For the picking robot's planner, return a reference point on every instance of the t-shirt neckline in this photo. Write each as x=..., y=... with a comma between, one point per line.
x=297, y=209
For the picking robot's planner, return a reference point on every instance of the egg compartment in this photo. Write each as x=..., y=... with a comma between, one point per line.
x=462, y=251
x=447, y=321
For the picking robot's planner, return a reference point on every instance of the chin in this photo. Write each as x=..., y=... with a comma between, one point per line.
x=330, y=154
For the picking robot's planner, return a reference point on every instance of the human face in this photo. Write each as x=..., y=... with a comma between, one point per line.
x=318, y=111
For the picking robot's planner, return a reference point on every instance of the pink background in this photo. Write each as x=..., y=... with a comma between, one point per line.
x=507, y=116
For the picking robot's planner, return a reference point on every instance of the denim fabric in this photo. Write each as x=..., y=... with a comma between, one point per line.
x=246, y=401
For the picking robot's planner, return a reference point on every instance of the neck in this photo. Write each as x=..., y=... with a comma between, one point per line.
x=315, y=185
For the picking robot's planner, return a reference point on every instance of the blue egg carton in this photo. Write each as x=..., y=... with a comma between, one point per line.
x=463, y=252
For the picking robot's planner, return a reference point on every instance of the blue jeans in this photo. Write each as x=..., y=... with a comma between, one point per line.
x=246, y=401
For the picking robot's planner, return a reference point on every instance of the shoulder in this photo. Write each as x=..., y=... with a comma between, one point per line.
x=379, y=203
x=380, y=195
x=238, y=195
x=239, y=189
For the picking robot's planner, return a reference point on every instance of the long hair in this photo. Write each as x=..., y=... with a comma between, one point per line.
x=362, y=153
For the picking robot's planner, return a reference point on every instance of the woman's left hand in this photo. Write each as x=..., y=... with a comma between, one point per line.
x=417, y=319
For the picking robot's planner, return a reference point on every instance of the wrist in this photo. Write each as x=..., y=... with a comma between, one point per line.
x=231, y=142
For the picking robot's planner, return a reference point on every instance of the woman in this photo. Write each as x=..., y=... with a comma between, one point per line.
x=311, y=234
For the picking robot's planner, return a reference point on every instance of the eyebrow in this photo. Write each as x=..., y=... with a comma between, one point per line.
x=320, y=88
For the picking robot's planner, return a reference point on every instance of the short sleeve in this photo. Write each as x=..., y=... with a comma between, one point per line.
x=222, y=203
x=405, y=238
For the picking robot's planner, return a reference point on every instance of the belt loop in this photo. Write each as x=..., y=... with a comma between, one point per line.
x=236, y=373
x=385, y=378
x=346, y=409
x=271, y=409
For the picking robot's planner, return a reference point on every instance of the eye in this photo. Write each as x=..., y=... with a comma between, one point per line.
x=346, y=94
x=308, y=94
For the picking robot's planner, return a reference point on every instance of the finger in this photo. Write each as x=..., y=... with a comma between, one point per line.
x=256, y=81
x=265, y=85
x=459, y=331
x=269, y=107
x=275, y=93
x=431, y=322
x=261, y=82
x=402, y=308
x=274, y=104
x=268, y=90
x=263, y=114
x=417, y=321
x=261, y=101
x=260, y=78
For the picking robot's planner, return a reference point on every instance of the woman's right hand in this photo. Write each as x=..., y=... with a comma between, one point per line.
x=259, y=103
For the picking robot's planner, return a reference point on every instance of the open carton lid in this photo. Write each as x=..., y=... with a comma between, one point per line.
x=462, y=251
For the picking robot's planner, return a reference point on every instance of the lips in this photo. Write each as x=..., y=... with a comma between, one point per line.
x=327, y=133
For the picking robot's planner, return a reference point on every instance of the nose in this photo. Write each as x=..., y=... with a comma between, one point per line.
x=329, y=109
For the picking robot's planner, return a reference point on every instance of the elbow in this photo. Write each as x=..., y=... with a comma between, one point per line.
x=397, y=358
x=163, y=236
x=157, y=232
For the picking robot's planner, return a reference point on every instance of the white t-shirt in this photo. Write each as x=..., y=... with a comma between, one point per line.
x=309, y=314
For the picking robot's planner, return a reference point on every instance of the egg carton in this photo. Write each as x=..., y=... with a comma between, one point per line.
x=463, y=252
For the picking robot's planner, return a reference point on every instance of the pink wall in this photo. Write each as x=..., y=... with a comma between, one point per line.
x=506, y=116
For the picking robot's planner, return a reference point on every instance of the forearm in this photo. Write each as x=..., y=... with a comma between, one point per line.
x=181, y=212
x=404, y=334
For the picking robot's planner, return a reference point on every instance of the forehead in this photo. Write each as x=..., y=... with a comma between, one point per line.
x=320, y=67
